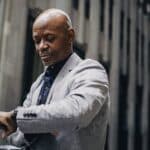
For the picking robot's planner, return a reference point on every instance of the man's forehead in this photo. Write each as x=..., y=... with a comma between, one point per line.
x=46, y=29
x=43, y=32
x=50, y=21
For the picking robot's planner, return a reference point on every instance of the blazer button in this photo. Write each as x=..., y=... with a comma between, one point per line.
x=30, y=115
x=34, y=115
x=25, y=115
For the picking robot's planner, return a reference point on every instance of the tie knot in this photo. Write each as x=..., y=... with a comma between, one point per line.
x=48, y=72
x=48, y=77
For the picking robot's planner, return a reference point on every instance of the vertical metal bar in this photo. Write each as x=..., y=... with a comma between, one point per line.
x=132, y=75
x=146, y=86
x=94, y=23
x=114, y=77
x=81, y=23
x=15, y=24
x=139, y=84
x=106, y=32
x=125, y=33
x=2, y=9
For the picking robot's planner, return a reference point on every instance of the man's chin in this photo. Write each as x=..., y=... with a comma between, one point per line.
x=47, y=63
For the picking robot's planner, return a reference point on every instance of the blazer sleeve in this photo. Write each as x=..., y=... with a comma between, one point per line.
x=88, y=92
x=17, y=138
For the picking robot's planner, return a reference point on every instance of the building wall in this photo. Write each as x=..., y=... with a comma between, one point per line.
x=11, y=50
x=115, y=32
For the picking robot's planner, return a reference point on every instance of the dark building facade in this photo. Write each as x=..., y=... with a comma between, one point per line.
x=114, y=32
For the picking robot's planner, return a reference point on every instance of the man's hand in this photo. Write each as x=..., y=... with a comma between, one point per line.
x=6, y=120
x=55, y=133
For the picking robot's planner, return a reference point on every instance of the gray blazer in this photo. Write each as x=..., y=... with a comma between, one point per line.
x=77, y=108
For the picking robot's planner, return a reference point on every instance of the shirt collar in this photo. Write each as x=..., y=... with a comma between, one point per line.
x=55, y=68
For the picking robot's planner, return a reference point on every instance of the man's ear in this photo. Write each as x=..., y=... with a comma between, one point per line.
x=71, y=35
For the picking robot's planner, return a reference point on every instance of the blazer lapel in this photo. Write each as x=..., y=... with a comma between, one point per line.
x=71, y=63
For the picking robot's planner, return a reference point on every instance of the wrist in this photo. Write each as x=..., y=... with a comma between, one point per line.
x=14, y=114
x=14, y=117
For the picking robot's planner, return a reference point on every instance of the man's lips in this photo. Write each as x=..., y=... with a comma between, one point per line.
x=45, y=57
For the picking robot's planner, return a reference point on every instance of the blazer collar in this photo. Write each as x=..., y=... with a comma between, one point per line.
x=71, y=63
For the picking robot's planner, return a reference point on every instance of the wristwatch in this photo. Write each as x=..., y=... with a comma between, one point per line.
x=14, y=115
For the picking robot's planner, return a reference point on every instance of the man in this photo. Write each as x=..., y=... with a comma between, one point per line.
x=67, y=106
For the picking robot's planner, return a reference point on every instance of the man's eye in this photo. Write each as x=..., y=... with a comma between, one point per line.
x=50, y=38
x=37, y=41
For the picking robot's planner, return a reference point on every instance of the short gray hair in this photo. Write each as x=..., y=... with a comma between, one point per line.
x=55, y=12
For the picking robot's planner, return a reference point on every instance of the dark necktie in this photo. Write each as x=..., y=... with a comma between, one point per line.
x=48, y=81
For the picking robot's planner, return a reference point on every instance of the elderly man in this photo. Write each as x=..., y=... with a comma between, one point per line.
x=67, y=106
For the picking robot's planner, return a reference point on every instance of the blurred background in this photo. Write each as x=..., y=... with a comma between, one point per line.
x=114, y=32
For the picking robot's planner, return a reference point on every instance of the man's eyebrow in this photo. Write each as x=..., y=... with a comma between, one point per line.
x=48, y=33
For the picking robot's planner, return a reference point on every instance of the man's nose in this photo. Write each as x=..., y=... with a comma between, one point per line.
x=43, y=45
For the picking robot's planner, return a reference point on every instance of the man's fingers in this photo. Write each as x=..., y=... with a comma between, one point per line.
x=55, y=133
x=2, y=134
x=5, y=124
x=5, y=133
x=8, y=122
x=8, y=126
x=4, y=121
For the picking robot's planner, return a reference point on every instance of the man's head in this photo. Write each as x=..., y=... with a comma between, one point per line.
x=53, y=36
